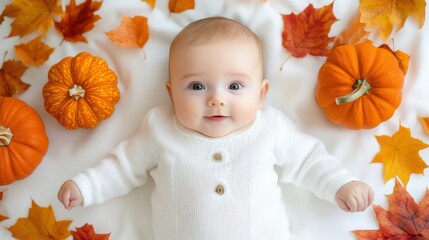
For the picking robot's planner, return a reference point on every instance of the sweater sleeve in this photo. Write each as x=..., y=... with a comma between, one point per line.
x=304, y=161
x=127, y=166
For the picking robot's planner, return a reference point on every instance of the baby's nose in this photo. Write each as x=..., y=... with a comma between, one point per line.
x=215, y=100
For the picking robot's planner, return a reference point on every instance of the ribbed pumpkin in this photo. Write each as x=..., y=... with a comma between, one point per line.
x=23, y=140
x=359, y=86
x=81, y=91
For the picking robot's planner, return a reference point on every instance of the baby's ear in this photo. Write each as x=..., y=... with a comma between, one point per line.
x=265, y=86
x=168, y=87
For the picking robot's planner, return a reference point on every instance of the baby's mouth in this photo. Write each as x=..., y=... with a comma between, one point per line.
x=216, y=118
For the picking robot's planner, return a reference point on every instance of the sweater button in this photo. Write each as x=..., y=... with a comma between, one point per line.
x=217, y=157
x=220, y=189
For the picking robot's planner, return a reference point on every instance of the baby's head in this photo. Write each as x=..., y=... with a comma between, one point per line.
x=216, y=76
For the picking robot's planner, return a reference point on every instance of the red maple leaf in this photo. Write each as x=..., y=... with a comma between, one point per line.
x=404, y=220
x=86, y=232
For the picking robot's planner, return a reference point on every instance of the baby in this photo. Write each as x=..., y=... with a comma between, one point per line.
x=217, y=155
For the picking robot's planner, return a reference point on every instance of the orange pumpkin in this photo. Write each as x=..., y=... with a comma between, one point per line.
x=359, y=86
x=23, y=140
x=81, y=91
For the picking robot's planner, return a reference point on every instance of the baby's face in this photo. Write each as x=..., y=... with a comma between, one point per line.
x=217, y=88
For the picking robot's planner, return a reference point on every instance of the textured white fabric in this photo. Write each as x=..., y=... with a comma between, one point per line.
x=186, y=173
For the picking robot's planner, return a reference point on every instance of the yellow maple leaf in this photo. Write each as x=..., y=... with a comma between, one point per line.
x=177, y=6
x=425, y=123
x=355, y=33
x=385, y=14
x=151, y=3
x=34, y=53
x=132, y=32
x=31, y=16
x=40, y=224
x=400, y=155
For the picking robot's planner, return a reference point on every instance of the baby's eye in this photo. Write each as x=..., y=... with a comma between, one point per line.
x=197, y=86
x=235, y=86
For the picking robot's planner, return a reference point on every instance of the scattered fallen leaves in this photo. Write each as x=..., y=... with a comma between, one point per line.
x=10, y=78
x=355, y=33
x=77, y=20
x=40, y=224
x=403, y=58
x=31, y=16
x=151, y=3
x=307, y=32
x=404, y=220
x=86, y=232
x=177, y=6
x=383, y=15
x=34, y=53
x=132, y=32
x=400, y=155
x=425, y=123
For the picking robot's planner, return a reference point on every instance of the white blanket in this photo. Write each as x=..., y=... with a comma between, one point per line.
x=142, y=86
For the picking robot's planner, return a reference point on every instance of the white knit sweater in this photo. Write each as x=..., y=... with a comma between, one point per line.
x=216, y=188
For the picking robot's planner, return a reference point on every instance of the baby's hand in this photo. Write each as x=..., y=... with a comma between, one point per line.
x=354, y=196
x=69, y=195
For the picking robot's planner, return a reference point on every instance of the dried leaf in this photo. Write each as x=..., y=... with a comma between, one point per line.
x=404, y=220
x=34, y=53
x=86, y=232
x=10, y=78
x=2, y=218
x=1, y=195
x=383, y=15
x=31, y=16
x=77, y=20
x=400, y=155
x=132, y=33
x=151, y=3
x=425, y=123
x=354, y=34
x=403, y=58
x=307, y=32
x=40, y=224
x=177, y=6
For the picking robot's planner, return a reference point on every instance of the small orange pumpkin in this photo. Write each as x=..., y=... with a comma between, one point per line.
x=81, y=91
x=23, y=140
x=359, y=86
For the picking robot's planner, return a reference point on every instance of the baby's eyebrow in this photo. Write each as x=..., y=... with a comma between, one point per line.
x=239, y=75
x=191, y=75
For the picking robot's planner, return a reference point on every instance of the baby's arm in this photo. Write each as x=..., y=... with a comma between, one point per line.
x=69, y=195
x=354, y=196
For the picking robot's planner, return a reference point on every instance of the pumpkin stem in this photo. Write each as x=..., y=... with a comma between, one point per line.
x=76, y=92
x=5, y=136
x=361, y=88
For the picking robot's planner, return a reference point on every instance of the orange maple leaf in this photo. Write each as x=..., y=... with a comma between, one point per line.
x=40, y=224
x=355, y=33
x=86, y=232
x=403, y=58
x=151, y=3
x=132, y=32
x=383, y=15
x=425, y=123
x=307, y=32
x=34, y=53
x=400, y=155
x=2, y=218
x=31, y=16
x=404, y=220
x=177, y=6
x=77, y=20
x=10, y=78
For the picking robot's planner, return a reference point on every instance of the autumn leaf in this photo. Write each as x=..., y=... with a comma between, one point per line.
x=383, y=15
x=307, y=32
x=34, y=53
x=40, y=224
x=86, y=232
x=10, y=78
x=132, y=32
x=151, y=3
x=425, y=123
x=1, y=195
x=2, y=218
x=354, y=34
x=403, y=58
x=31, y=16
x=77, y=20
x=400, y=155
x=177, y=6
x=405, y=219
